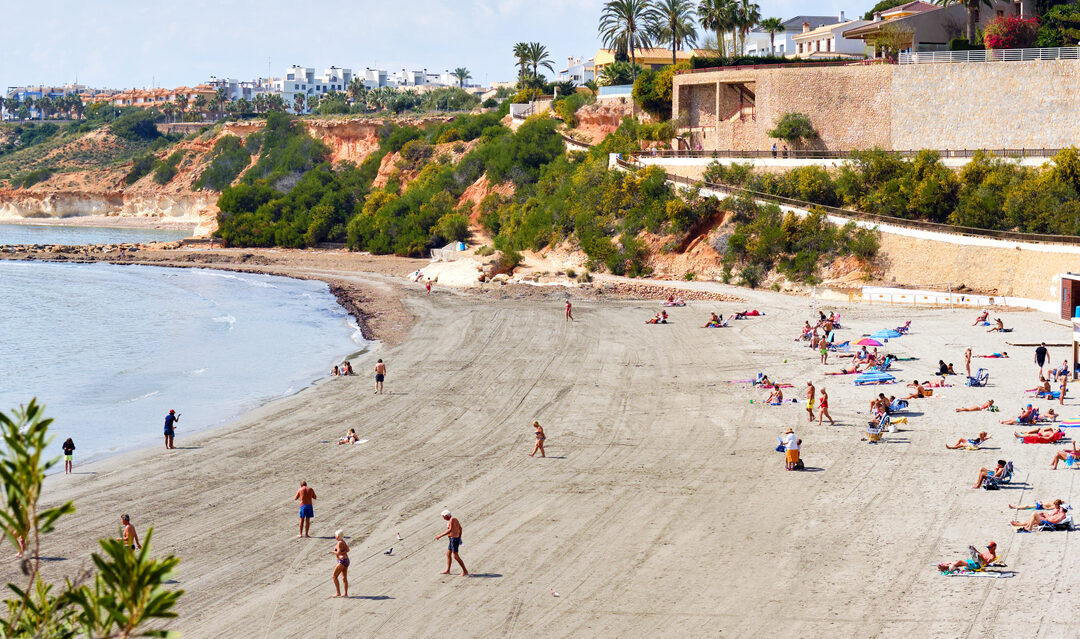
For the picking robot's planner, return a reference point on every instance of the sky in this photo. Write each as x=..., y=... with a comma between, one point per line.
x=170, y=43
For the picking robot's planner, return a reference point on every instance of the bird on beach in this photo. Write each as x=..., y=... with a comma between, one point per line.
x=388, y=552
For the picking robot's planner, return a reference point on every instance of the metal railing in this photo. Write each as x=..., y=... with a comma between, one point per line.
x=990, y=55
x=789, y=65
x=844, y=155
x=853, y=215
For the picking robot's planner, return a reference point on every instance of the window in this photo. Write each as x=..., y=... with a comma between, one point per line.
x=291, y=76
x=1000, y=13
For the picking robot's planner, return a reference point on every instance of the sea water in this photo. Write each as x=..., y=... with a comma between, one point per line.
x=110, y=349
x=77, y=235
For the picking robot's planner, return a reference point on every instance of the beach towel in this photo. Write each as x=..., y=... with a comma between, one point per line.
x=1039, y=439
x=873, y=377
x=990, y=574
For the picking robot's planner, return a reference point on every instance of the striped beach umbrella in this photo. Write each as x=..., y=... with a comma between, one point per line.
x=1072, y=422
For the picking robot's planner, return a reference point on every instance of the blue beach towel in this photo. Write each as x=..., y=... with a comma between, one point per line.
x=874, y=377
x=885, y=333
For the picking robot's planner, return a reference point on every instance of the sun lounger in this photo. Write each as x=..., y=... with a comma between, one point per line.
x=982, y=376
x=1065, y=524
x=994, y=483
x=1039, y=439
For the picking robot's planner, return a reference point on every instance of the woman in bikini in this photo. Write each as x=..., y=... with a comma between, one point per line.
x=341, y=553
x=974, y=409
x=539, y=440
x=970, y=443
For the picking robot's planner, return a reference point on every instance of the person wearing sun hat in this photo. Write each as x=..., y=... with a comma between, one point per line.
x=170, y=427
x=791, y=449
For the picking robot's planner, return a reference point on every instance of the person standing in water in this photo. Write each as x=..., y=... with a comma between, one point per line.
x=69, y=450
x=453, y=532
x=170, y=427
x=540, y=437
x=341, y=553
x=380, y=375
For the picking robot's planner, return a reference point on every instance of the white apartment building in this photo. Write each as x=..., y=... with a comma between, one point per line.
x=829, y=41
x=303, y=81
x=783, y=43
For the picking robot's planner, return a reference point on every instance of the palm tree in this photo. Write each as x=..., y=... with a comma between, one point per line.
x=536, y=55
x=298, y=103
x=521, y=52
x=772, y=26
x=182, y=104
x=222, y=99
x=354, y=89
x=625, y=25
x=200, y=106
x=675, y=25
x=168, y=109
x=462, y=74
x=275, y=103
x=972, y=7
x=747, y=15
x=45, y=106
x=718, y=15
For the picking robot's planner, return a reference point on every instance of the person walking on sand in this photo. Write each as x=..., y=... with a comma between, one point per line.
x=1061, y=390
x=569, y=314
x=380, y=375
x=453, y=532
x=540, y=437
x=810, y=390
x=341, y=553
x=427, y=285
x=1041, y=355
x=824, y=352
x=825, y=408
x=128, y=534
x=69, y=450
x=170, y=428
x=967, y=361
x=791, y=449
x=306, y=495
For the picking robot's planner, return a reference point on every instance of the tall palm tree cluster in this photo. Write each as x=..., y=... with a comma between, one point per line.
x=630, y=25
x=531, y=57
x=69, y=106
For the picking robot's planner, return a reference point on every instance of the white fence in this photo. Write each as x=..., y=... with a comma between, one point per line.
x=990, y=55
x=885, y=296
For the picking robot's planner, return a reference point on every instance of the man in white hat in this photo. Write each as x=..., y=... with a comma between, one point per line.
x=453, y=532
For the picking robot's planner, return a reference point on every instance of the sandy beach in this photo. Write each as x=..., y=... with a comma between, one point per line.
x=661, y=510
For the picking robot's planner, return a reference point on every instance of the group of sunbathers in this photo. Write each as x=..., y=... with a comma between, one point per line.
x=674, y=301
x=1030, y=415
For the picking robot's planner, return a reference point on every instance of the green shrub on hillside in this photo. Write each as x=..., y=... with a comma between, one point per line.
x=137, y=125
x=227, y=159
x=141, y=167
x=30, y=178
x=286, y=149
x=166, y=170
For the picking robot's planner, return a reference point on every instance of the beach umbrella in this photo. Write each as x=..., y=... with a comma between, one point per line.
x=885, y=333
x=1072, y=422
x=874, y=377
x=867, y=341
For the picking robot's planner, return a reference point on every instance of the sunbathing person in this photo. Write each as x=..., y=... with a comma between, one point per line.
x=1067, y=456
x=1001, y=355
x=1042, y=389
x=879, y=405
x=997, y=473
x=1055, y=515
x=1051, y=416
x=1045, y=432
x=970, y=443
x=714, y=321
x=998, y=326
x=776, y=397
x=349, y=438
x=1041, y=505
x=974, y=409
x=919, y=393
x=943, y=368
x=978, y=559
x=1027, y=416
x=930, y=384
x=660, y=318
x=856, y=367
x=981, y=319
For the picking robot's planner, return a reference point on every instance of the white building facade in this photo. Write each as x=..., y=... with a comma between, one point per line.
x=303, y=81
x=829, y=41
x=783, y=43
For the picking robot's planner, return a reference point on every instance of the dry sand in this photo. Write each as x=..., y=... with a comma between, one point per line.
x=662, y=509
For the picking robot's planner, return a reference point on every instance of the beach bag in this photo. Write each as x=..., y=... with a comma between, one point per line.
x=799, y=465
x=780, y=448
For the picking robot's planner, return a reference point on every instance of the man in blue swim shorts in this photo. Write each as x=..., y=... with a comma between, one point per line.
x=306, y=495
x=453, y=532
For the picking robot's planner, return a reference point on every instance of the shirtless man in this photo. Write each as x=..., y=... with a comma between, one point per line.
x=130, y=537
x=920, y=392
x=967, y=361
x=380, y=375
x=998, y=326
x=1055, y=515
x=306, y=495
x=983, y=558
x=453, y=532
x=776, y=396
x=810, y=391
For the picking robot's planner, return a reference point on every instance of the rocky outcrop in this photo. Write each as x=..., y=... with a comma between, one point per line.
x=199, y=208
x=596, y=121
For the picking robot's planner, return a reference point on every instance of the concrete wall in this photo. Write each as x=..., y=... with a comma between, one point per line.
x=936, y=106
